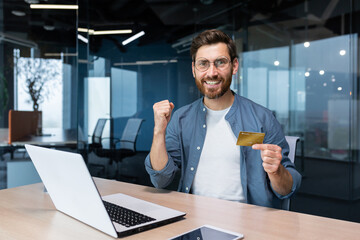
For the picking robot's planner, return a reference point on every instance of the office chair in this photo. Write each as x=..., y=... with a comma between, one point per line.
x=118, y=148
x=292, y=141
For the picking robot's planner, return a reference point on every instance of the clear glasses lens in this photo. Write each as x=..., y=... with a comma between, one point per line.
x=202, y=64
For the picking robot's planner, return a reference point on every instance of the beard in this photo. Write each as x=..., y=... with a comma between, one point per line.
x=212, y=93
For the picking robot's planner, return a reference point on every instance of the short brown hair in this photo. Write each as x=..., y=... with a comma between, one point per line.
x=209, y=37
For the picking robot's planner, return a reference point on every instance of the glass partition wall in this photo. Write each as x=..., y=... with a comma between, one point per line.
x=297, y=58
x=38, y=81
x=305, y=69
x=38, y=64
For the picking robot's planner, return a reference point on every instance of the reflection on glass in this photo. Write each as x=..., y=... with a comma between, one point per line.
x=124, y=92
x=98, y=100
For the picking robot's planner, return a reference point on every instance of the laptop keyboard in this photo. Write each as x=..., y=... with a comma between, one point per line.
x=124, y=216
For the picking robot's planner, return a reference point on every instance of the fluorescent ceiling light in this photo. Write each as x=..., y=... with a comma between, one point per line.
x=82, y=38
x=60, y=54
x=83, y=30
x=145, y=62
x=105, y=32
x=132, y=38
x=54, y=6
x=90, y=31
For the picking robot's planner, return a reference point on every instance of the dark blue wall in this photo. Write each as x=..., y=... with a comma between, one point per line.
x=156, y=82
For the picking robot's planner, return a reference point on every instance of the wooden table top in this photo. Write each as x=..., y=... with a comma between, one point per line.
x=28, y=213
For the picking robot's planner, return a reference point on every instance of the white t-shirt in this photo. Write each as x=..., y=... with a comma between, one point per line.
x=218, y=172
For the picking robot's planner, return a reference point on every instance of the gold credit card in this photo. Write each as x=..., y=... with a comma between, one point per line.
x=250, y=138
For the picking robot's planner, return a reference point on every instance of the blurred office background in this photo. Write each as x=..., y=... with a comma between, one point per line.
x=299, y=58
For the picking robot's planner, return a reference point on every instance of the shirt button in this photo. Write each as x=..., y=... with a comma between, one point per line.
x=204, y=126
x=192, y=169
x=187, y=189
x=198, y=148
x=203, y=109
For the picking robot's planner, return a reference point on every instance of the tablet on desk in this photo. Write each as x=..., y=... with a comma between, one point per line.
x=208, y=232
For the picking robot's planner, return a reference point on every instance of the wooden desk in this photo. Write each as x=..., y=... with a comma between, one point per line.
x=28, y=213
x=51, y=137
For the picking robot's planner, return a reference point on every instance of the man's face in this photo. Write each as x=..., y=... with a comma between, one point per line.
x=216, y=80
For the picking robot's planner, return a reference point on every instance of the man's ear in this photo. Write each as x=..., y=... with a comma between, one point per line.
x=193, y=69
x=235, y=66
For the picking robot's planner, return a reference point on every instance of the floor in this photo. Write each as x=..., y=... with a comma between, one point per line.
x=324, y=191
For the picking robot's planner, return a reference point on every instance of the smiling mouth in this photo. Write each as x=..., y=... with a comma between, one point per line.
x=212, y=82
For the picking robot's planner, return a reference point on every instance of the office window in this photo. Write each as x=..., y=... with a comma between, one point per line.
x=44, y=78
x=266, y=80
x=98, y=101
x=327, y=75
x=319, y=73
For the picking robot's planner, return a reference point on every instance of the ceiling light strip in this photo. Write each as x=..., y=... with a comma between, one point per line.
x=85, y=30
x=54, y=6
x=132, y=38
x=82, y=38
x=124, y=31
x=104, y=32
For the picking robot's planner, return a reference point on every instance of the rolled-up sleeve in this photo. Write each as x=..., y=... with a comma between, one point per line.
x=295, y=186
x=162, y=178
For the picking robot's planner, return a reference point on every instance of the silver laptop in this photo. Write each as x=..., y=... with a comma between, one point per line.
x=73, y=192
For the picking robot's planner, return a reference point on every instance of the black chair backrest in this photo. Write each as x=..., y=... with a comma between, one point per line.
x=98, y=131
x=130, y=133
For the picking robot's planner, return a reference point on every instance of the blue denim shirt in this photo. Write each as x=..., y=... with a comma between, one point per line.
x=185, y=136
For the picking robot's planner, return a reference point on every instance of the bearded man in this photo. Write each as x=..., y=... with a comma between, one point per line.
x=200, y=139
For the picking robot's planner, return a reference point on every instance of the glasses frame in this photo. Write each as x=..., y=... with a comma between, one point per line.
x=213, y=62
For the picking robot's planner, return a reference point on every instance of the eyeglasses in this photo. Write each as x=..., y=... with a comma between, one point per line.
x=202, y=64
